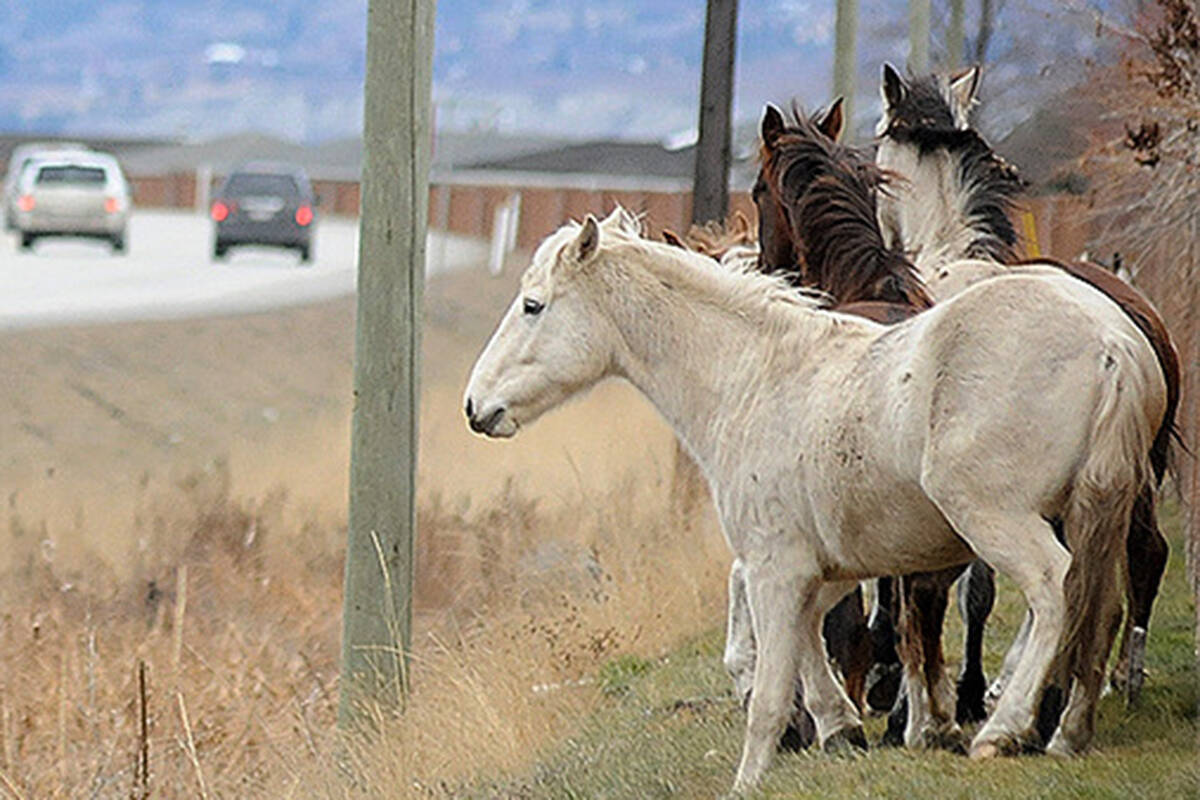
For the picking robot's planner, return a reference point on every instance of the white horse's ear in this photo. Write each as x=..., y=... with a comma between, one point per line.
x=832, y=121
x=588, y=241
x=963, y=87
x=892, y=89
x=772, y=125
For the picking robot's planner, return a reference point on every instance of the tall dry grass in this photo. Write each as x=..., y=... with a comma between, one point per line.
x=233, y=606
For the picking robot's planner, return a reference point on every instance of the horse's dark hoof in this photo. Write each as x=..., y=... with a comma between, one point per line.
x=896, y=722
x=800, y=733
x=970, y=707
x=893, y=736
x=883, y=684
x=847, y=740
x=948, y=737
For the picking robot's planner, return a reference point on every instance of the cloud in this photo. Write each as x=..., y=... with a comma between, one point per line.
x=810, y=23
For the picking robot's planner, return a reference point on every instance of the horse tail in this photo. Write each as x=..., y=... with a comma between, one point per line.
x=1115, y=469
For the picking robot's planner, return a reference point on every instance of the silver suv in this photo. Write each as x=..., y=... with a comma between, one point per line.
x=73, y=194
x=22, y=156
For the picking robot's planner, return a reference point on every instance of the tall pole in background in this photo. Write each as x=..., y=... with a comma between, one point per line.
x=845, y=59
x=956, y=36
x=710, y=184
x=377, y=607
x=710, y=191
x=918, y=36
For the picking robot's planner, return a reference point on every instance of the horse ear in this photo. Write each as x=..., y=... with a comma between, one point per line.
x=588, y=241
x=832, y=121
x=892, y=89
x=963, y=87
x=772, y=126
x=741, y=223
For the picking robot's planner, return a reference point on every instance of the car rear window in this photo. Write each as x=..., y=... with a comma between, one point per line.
x=73, y=175
x=243, y=184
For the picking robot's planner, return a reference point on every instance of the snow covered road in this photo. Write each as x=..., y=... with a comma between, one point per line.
x=168, y=272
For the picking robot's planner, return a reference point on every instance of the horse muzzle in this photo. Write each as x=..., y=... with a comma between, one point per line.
x=490, y=423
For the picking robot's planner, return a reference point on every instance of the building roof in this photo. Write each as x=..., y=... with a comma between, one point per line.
x=602, y=157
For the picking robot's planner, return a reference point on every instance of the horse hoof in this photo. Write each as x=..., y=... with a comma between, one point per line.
x=1059, y=748
x=1003, y=745
x=985, y=752
x=893, y=735
x=883, y=684
x=949, y=738
x=847, y=740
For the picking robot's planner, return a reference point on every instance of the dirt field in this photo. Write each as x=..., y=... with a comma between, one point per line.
x=96, y=420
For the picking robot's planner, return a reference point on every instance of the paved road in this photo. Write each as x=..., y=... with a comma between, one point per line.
x=168, y=273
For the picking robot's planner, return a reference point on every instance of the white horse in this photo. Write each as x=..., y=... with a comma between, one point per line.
x=838, y=449
x=952, y=213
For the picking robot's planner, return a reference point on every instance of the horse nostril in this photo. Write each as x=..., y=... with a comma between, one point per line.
x=469, y=408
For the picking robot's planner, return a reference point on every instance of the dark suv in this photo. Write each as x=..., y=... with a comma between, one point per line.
x=266, y=204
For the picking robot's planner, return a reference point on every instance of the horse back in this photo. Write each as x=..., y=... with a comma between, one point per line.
x=880, y=311
x=1143, y=314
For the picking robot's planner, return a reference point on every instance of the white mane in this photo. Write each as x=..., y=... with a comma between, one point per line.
x=735, y=279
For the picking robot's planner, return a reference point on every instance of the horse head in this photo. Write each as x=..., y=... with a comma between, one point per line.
x=550, y=343
x=792, y=156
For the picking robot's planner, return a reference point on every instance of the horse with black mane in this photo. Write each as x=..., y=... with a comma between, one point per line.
x=956, y=202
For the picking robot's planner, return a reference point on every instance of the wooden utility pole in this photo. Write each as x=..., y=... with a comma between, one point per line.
x=845, y=59
x=918, y=36
x=956, y=36
x=377, y=611
x=710, y=185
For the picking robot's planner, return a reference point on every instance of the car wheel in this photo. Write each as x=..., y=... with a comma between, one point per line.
x=27, y=240
x=305, y=253
x=118, y=243
x=219, y=251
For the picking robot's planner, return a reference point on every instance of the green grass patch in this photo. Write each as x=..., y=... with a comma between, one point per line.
x=672, y=728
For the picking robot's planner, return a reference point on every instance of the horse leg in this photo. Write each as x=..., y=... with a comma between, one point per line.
x=1021, y=545
x=976, y=596
x=740, y=655
x=929, y=691
x=1146, y=553
x=848, y=644
x=883, y=680
x=739, y=635
x=1078, y=719
x=781, y=594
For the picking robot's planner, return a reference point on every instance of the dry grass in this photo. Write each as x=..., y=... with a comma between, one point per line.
x=236, y=615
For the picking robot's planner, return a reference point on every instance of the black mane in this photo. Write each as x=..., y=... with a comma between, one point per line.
x=923, y=118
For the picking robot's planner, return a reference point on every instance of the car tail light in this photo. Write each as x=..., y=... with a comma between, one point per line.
x=304, y=215
x=220, y=211
x=111, y=205
x=25, y=202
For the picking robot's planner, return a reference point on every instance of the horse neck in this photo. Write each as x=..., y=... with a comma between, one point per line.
x=928, y=212
x=693, y=352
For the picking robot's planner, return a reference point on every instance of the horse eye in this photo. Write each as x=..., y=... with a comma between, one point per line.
x=533, y=307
